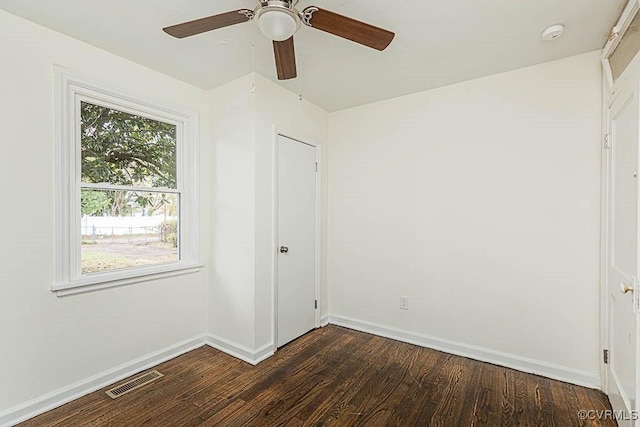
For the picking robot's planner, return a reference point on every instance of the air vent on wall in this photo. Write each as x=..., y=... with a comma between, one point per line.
x=134, y=384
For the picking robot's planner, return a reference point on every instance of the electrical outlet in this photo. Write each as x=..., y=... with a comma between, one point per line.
x=404, y=303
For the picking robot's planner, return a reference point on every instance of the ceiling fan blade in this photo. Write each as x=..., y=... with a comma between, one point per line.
x=347, y=28
x=285, y=53
x=214, y=22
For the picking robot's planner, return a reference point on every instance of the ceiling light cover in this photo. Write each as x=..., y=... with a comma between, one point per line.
x=277, y=25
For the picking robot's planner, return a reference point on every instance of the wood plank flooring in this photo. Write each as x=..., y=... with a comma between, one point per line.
x=336, y=377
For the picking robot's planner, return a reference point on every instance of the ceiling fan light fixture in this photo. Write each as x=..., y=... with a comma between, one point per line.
x=277, y=20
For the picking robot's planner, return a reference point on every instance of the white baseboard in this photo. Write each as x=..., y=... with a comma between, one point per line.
x=44, y=403
x=59, y=397
x=240, y=351
x=545, y=369
x=324, y=321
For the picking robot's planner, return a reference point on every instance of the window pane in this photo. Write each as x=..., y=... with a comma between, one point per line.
x=124, y=229
x=124, y=149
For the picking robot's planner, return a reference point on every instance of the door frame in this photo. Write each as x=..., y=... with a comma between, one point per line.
x=604, y=236
x=277, y=132
x=610, y=91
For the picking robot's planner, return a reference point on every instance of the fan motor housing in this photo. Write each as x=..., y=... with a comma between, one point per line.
x=276, y=5
x=272, y=11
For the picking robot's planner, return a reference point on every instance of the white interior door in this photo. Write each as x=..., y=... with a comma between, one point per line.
x=296, y=288
x=622, y=257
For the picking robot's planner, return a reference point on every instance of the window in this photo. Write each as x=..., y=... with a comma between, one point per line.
x=126, y=179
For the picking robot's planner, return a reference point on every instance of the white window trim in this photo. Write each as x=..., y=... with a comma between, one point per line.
x=70, y=88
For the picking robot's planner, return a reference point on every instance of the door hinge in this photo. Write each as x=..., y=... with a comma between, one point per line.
x=316, y=304
x=607, y=142
x=316, y=166
x=605, y=356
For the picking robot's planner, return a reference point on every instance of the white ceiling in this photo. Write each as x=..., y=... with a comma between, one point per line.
x=438, y=42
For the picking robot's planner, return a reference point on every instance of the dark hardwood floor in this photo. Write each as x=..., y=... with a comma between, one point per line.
x=336, y=377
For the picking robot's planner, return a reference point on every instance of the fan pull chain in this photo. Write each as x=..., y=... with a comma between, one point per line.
x=300, y=96
x=253, y=67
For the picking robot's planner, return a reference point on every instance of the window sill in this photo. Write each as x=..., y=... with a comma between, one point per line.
x=91, y=283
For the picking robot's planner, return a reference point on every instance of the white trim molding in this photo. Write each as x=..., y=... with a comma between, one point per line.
x=324, y=321
x=56, y=398
x=524, y=364
x=71, y=89
x=239, y=351
x=142, y=274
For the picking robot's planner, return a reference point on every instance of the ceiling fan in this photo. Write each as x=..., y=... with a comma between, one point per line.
x=279, y=20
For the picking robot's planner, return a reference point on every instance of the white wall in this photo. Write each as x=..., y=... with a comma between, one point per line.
x=480, y=202
x=48, y=343
x=231, y=298
x=241, y=298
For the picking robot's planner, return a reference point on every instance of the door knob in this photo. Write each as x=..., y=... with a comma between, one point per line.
x=284, y=249
x=624, y=288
